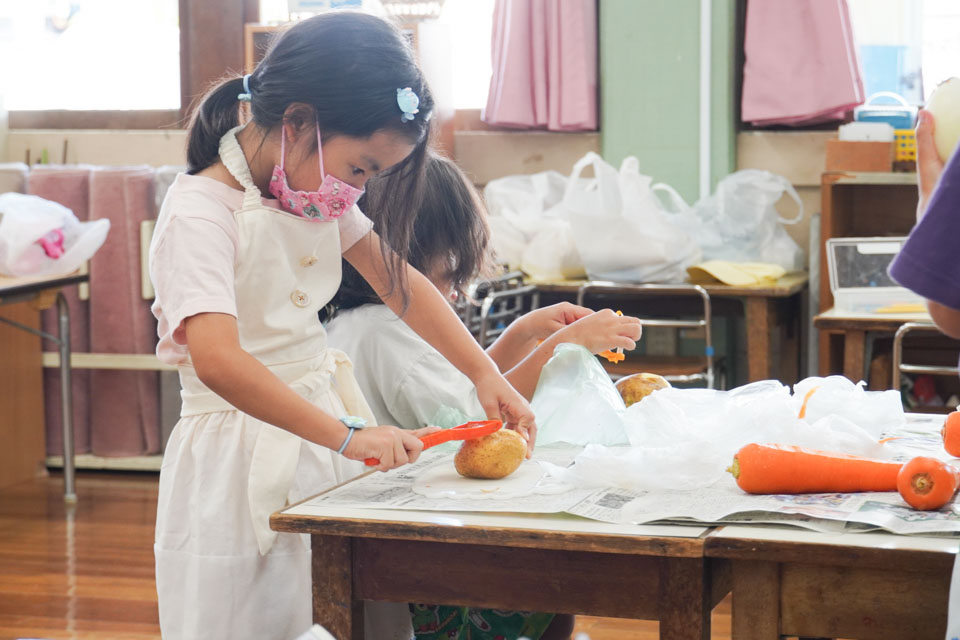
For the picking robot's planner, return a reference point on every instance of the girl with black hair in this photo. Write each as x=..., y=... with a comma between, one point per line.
x=270, y=413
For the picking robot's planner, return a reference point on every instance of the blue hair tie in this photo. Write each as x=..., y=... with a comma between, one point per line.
x=408, y=102
x=246, y=96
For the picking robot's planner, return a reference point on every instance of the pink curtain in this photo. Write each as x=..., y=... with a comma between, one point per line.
x=70, y=186
x=124, y=405
x=116, y=413
x=544, y=65
x=801, y=62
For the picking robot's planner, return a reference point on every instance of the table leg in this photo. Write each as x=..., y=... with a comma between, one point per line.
x=759, y=314
x=66, y=398
x=756, y=600
x=334, y=606
x=684, y=599
x=853, y=354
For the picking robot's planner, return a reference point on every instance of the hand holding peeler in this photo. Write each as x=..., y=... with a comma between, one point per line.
x=614, y=356
x=467, y=431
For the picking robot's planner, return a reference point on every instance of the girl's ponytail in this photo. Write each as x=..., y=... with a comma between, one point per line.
x=217, y=112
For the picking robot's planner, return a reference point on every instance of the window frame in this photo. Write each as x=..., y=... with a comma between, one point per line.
x=211, y=44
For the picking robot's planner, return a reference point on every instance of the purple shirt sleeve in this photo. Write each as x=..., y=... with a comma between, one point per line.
x=929, y=262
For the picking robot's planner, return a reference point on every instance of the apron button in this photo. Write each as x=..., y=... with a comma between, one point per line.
x=300, y=298
x=309, y=261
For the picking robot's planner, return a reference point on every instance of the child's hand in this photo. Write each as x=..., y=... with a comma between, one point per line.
x=544, y=322
x=929, y=165
x=392, y=446
x=501, y=401
x=603, y=330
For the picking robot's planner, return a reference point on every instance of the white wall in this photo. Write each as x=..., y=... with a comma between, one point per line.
x=99, y=147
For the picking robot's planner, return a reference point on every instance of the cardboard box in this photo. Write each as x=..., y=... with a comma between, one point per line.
x=843, y=155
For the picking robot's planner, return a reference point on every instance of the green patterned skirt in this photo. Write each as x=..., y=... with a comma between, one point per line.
x=441, y=622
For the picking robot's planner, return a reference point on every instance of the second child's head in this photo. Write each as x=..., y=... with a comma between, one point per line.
x=450, y=240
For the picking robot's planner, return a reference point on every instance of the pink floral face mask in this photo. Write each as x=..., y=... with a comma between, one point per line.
x=328, y=203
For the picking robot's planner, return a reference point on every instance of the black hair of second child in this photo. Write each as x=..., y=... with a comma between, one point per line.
x=347, y=66
x=450, y=229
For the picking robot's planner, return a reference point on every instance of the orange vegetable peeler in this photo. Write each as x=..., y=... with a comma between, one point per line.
x=614, y=356
x=467, y=431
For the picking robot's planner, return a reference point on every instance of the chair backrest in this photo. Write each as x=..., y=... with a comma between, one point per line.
x=918, y=369
x=660, y=290
x=500, y=308
x=471, y=308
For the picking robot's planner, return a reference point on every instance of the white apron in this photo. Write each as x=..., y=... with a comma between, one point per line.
x=221, y=571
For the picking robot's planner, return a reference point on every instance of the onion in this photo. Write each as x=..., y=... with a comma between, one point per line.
x=944, y=104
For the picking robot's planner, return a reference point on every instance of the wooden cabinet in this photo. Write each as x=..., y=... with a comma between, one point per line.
x=21, y=397
x=860, y=205
x=863, y=205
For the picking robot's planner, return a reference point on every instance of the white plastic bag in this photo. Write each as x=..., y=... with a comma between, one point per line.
x=739, y=222
x=621, y=228
x=522, y=208
x=552, y=253
x=576, y=402
x=25, y=219
x=686, y=438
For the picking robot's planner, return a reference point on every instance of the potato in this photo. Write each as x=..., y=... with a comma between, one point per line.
x=492, y=457
x=944, y=104
x=635, y=388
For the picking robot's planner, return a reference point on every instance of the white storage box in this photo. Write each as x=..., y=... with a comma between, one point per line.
x=858, y=275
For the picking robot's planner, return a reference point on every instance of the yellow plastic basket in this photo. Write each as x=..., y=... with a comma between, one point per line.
x=906, y=145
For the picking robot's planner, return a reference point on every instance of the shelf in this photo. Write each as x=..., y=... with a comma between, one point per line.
x=121, y=361
x=871, y=177
x=91, y=462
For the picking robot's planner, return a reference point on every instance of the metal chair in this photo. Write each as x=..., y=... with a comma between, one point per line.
x=898, y=365
x=500, y=308
x=491, y=305
x=673, y=368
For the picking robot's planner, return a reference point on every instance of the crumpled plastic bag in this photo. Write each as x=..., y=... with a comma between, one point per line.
x=25, y=220
x=576, y=402
x=686, y=438
x=875, y=411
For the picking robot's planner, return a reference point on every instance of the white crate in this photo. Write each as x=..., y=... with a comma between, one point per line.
x=858, y=274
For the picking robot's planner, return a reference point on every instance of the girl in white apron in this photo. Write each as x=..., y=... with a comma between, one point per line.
x=270, y=414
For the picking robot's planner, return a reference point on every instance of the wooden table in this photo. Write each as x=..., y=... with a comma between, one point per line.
x=868, y=586
x=557, y=563
x=45, y=292
x=762, y=310
x=855, y=329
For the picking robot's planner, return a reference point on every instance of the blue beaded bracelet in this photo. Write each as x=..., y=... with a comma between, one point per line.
x=352, y=423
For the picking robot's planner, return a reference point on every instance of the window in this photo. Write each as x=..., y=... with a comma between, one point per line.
x=456, y=44
x=907, y=46
x=89, y=54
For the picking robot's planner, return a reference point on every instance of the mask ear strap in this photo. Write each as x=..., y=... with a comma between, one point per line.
x=283, y=143
x=320, y=154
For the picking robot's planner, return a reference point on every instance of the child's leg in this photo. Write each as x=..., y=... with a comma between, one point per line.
x=561, y=628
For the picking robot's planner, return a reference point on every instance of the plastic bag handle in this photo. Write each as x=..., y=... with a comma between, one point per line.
x=796, y=198
x=887, y=94
x=677, y=200
x=606, y=181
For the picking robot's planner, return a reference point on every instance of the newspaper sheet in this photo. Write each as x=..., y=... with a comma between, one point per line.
x=723, y=503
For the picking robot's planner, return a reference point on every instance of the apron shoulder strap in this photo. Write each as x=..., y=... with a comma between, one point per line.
x=233, y=159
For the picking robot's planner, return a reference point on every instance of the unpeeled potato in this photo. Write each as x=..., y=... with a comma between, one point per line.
x=638, y=386
x=491, y=457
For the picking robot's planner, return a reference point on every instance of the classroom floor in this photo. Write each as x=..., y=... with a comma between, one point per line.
x=88, y=573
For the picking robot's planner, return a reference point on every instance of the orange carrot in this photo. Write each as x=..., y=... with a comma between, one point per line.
x=927, y=483
x=951, y=434
x=777, y=468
